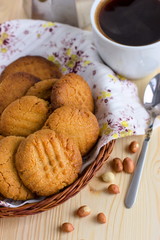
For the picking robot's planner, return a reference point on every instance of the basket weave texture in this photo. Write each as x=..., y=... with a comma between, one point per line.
x=56, y=199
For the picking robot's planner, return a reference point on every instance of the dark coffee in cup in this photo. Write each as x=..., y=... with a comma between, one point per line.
x=129, y=22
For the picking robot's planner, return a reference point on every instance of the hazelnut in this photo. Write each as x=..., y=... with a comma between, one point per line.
x=108, y=177
x=134, y=146
x=128, y=165
x=113, y=189
x=101, y=218
x=117, y=165
x=83, y=211
x=67, y=227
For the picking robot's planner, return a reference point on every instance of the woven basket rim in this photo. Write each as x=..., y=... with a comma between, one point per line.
x=70, y=191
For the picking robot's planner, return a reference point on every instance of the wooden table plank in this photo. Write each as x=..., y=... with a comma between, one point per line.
x=17, y=9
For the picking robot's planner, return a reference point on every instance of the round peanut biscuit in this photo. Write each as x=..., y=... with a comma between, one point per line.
x=42, y=89
x=24, y=116
x=79, y=124
x=11, y=185
x=72, y=90
x=36, y=65
x=15, y=86
x=47, y=162
x=1, y=137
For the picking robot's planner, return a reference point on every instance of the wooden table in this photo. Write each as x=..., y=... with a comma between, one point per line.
x=142, y=222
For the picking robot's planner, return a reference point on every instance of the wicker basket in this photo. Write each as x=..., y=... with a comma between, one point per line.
x=56, y=199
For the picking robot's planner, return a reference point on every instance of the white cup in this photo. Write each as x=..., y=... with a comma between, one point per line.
x=133, y=62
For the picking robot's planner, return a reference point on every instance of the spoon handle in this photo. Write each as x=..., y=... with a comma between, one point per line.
x=134, y=186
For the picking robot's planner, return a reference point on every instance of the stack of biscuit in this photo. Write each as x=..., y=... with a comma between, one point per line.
x=46, y=124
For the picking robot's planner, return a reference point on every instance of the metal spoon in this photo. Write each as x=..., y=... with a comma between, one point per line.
x=152, y=104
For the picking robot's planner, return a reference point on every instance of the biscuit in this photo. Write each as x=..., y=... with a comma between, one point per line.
x=47, y=162
x=24, y=116
x=79, y=124
x=15, y=86
x=35, y=65
x=72, y=90
x=42, y=89
x=11, y=185
x=1, y=137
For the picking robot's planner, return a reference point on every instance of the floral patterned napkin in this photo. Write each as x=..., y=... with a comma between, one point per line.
x=118, y=108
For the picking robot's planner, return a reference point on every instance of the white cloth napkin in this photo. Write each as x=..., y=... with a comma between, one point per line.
x=118, y=108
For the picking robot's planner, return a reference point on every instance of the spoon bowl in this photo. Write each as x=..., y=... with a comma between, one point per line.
x=152, y=93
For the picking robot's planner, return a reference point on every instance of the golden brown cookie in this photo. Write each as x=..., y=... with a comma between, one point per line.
x=24, y=116
x=36, y=65
x=1, y=137
x=0, y=127
x=15, y=86
x=79, y=124
x=72, y=90
x=47, y=162
x=11, y=185
x=42, y=89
